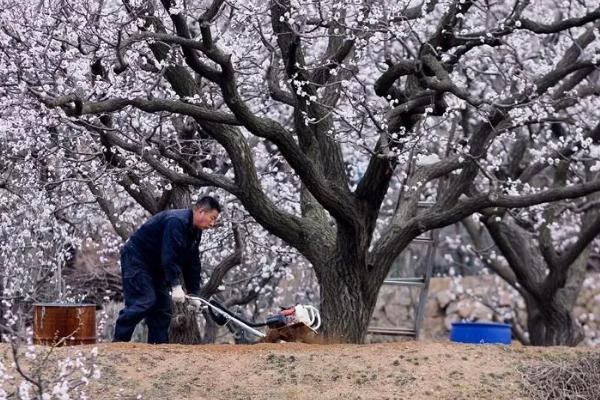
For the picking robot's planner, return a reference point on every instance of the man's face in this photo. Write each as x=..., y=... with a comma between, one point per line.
x=205, y=219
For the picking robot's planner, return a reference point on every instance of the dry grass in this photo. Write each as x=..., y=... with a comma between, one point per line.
x=558, y=379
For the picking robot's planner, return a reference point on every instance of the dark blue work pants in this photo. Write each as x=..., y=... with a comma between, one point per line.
x=146, y=296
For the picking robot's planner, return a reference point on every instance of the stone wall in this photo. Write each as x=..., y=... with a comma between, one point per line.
x=474, y=298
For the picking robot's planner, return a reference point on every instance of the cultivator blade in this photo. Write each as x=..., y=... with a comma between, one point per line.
x=298, y=332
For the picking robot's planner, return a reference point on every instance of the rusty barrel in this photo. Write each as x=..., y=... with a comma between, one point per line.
x=64, y=324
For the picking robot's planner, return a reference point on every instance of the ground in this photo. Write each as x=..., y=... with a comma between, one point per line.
x=401, y=370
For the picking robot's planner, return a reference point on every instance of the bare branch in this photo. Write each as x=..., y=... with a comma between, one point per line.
x=565, y=24
x=501, y=268
x=587, y=235
x=414, y=12
x=232, y=260
x=211, y=12
x=109, y=211
x=198, y=178
x=488, y=200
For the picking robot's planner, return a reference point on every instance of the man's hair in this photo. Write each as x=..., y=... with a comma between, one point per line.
x=208, y=203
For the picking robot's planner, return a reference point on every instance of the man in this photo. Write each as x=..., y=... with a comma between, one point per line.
x=160, y=257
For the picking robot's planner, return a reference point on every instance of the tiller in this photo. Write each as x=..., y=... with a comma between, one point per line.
x=292, y=324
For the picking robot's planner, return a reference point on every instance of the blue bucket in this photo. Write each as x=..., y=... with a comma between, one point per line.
x=480, y=333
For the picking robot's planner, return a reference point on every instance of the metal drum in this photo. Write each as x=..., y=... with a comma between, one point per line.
x=64, y=324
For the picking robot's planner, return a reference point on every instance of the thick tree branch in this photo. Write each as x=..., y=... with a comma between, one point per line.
x=336, y=199
x=553, y=77
x=442, y=39
x=443, y=83
x=292, y=229
x=336, y=53
x=409, y=199
x=384, y=83
x=152, y=106
x=516, y=23
x=404, y=116
x=315, y=139
x=568, y=62
x=154, y=37
x=277, y=93
x=141, y=193
x=398, y=237
x=247, y=186
x=546, y=243
x=479, y=142
x=406, y=211
x=516, y=245
x=488, y=200
x=191, y=57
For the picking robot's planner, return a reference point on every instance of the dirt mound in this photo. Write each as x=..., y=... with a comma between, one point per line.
x=405, y=370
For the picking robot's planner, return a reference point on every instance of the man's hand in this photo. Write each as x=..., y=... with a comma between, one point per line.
x=196, y=303
x=177, y=294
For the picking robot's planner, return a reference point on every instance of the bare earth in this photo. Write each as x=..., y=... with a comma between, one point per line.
x=402, y=370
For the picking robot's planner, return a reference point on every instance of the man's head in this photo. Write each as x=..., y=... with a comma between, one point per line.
x=206, y=212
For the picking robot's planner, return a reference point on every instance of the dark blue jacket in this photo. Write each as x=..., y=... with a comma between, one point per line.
x=169, y=243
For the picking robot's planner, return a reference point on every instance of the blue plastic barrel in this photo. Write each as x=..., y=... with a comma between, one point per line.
x=480, y=333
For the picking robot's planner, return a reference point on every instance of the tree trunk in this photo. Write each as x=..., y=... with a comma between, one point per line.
x=184, y=325
x=347, y=300
x=552, y=324
x=550, y=321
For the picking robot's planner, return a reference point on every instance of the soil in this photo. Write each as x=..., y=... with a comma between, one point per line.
x=400, y=370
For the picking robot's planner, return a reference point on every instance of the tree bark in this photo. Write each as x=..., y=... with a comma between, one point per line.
x=184, y=325
x=346, y=303
x=552, y=323
x=550, y=320
x=348, y=290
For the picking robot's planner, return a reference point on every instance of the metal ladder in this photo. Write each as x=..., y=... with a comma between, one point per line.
x=422, y=282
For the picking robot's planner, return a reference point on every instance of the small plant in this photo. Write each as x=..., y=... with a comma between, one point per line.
x=42, y=374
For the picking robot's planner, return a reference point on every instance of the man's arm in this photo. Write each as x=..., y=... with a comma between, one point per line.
x=191, y=275
x=172, y=245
